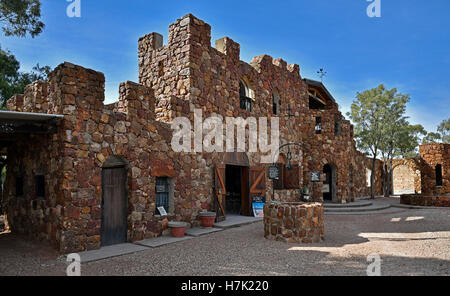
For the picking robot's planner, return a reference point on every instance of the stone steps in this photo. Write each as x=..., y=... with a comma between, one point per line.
x=378, y=212
x=357, y=204
x=355, y=208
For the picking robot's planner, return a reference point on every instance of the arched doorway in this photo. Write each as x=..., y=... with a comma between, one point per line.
x=114, y=202
x=403, y=176
x=329, y=185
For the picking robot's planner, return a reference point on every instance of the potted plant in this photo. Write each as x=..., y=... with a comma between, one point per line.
x=207, y=219
x=177, y=229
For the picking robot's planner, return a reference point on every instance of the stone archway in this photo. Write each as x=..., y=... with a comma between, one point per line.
x=403, y=182
x=406, y=176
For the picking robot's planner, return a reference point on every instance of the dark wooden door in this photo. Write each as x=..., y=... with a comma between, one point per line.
x=220, y=191
x=114, y=206
x=245, y=204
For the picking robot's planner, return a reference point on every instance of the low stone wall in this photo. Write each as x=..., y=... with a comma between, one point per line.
x=426, y=201
x=294, y=222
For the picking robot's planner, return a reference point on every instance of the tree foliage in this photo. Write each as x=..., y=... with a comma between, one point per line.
x=431, y=138
x=21, y=17
x=12, y=81
x=441, y=136
x=444, y=130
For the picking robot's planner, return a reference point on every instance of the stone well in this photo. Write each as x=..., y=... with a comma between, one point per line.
x=294, y=222
x=425, y=201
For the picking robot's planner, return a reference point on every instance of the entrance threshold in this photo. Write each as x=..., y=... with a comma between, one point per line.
x=236, y=221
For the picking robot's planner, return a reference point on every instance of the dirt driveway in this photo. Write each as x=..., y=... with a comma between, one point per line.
x=410, y=242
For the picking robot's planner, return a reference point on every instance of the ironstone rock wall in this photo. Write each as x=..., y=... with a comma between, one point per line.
x=425, y=201
x=186, y=74
x=432, y=155
x=72, y=162
x=294, y=222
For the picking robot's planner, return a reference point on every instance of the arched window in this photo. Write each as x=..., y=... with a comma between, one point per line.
x=439, y=175
x=276, y=103
x=245, y=95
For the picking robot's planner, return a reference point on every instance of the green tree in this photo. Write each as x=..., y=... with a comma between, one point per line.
x=380, y=124
x=21, y=17
x=18, y=18
x=12, y=81
x=431, y=138
x=441, y=136
x=444, y=131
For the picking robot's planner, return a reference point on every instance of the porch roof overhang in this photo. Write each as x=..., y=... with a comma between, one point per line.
x=321, y=86
x=13, y=123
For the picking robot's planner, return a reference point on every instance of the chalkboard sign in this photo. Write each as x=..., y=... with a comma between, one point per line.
x=274, y=173
x=259, y=199
x=315, y=177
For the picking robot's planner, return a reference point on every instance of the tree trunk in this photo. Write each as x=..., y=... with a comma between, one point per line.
x=386, y=180
x=372, y=179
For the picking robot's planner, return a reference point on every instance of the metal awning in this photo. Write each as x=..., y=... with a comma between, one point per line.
x=12, y=123
x=27, y=116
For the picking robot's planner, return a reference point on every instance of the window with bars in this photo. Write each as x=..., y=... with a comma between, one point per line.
x=244, y=96
x=162, y=193
x=318, y=126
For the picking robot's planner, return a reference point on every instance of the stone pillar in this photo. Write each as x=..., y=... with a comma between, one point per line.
x=190, y=30
x=229, y=47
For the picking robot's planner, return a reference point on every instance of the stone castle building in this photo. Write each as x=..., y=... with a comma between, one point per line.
x=82, y=174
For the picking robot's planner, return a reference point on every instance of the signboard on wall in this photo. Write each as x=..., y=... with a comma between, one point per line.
x=162, y=211
x=326, y=188
x=315, y=177
x=274, y=173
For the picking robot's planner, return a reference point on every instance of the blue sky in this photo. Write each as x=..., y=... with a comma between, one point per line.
x=407, y=48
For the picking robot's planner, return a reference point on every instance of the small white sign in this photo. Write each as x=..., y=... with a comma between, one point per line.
x=162, y=211
x=326, y=188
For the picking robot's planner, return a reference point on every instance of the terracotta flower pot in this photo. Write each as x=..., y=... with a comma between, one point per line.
x=207, y=219
x=177, y=229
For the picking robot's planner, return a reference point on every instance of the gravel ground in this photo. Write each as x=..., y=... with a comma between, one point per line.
x=410, y=242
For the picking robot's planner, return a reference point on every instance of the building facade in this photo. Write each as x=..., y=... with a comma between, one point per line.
x=99, y=178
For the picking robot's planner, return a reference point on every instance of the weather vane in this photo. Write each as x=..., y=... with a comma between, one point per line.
x=322, y=73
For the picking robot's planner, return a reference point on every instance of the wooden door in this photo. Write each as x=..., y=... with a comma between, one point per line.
x=114, y=206
x=220, y=191
x=245, y=200
x=257, y=183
